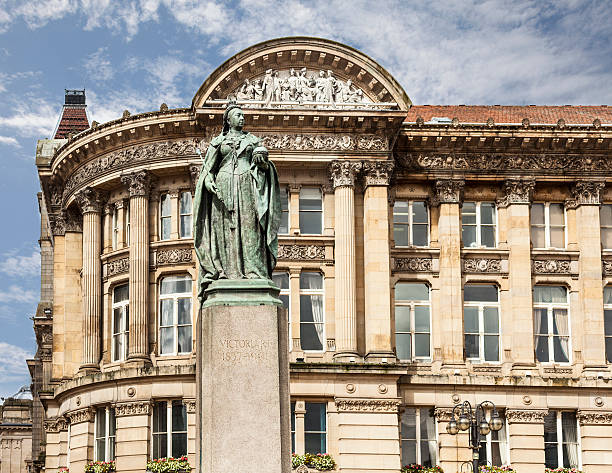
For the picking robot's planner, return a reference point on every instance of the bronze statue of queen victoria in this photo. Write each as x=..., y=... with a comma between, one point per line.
x=237, y=207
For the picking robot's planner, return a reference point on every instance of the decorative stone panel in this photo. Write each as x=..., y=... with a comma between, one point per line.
x=190, y=405
x=594, y=417
x=367, y=405
x=81, y=415
x=174, y=256
x=413, y=264
x=551, y=266
x=443, y=414
x=607, y=268
x=117, y=266
x=137, y=408
x=526, y=416
x=482, y=265
x=55, y=425
x=301, y=252
x=325, y=142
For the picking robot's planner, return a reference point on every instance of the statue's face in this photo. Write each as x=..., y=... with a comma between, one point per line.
x=236, y=118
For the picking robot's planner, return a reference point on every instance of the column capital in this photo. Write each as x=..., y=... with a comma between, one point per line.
x=86, y=414
x=526, y=416
x=343, y=172
x=139, y=183
x=57, y=221
x=73, y=221
x=89, y=200
x=377, y=173
x=585, y=193
x=594, y=417
x=517, y=191
x=449, y=191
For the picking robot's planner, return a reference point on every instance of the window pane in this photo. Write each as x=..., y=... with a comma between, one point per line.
x=608, y=322
x=400, y=235
x=605, y=215
x=167, y=309
x=402, y=319
x=179, y=416
x=400, y=212
x=165, y=205
x=606, y=238
x=409, y=452
x=470, y=316
x=419, y=235
x=284, y=223
x=608, y=295
x=184, y=339
x=284, y=197
x=310, y=199
x=100, y=422
x=487, y=213
x=549, y=294
x=609, y=349
x=185, y=203
x=491, y=320
x=311, y=280
x=538, y=237
x=315, y=443
x=426, y=453
x=165, y=228
x=471, y=346
x=419, y=212
x=402, y=346
x=160, y=446
x=560, y=322
x=175, y=284
x=480, y=293
x=179, y=445
x=421, y=319
x=537, y=214
x=540, y=321
x=568, y=424
x=468, y=235
x=112, y=427
x=541, y=347
x=160, y=412
x=421, y=345
x=118, y=348
x=310, y=339
x=117, y=320
x=100, y=454
x=487, y=236
x=408, y=424
x=561, y=347
x=167, y=340
x=311, y=222
x=557, y=237
x=184, y=310
x=185, y=226
x=491, y=347
x=285, y=300
x=121, y=293
x=407, y=291
x=550, y=427
x=315, y=419
x=556, y=214
x=281, y=280
x=468, y=213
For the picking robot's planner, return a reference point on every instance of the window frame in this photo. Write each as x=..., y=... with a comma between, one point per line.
x=107, y=437
x=479, y=225
x=163, y=218
x=285, y=189
x=126, y=216
x=314, y=292
x=602, y=226
x=412, y=304
x=115, y=228
x=175, y=296
x=550, y=306
x=547, y=227
x=411, y=224
x=418, y=438
x=488, y=441
x=311, y=211
x=560, y=439
x=607, y=307
x=181, y=215
x=125, y=332
x=481, y=305
x=169, y=432
x=324, y=432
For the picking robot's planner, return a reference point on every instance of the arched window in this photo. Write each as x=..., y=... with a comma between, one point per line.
x=412, y=321
x=175, y=315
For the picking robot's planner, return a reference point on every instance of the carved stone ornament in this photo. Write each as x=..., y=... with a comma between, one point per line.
x=551, y=266
x=607, y=268
x=57, y=222
x=551, y=163
x=194, y=171
x=81, y=415
x=443, y=414
x=190, y=405
x=482, y=265
x=117, y=266
x=526, y=416
x=55, y=425
x=343, y=173
x=136, y=408
x=517, y=191
x=125, y=157
x=587, y=192
x=73, y=221
x=595, y=417
x=301, y=252
x=89, y=200
x=325, y=142
x=367, y=405
x=413, y=264
x=449, y=191
x=138, y=183
x=174, y=256
x=377, y=173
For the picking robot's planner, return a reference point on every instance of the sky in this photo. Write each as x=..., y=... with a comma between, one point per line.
x=136, y=54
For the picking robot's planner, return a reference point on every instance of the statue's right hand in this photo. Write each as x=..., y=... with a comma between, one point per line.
x=210, y=185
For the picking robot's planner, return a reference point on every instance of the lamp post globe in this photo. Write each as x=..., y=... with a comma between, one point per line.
x=484, y=428
x=496, y=423
x=452, y=428
x=464, y=422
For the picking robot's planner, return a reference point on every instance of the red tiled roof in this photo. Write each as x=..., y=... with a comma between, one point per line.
x=537, y=114
x=73, y=120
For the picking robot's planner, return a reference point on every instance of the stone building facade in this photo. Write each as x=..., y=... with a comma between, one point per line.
x=16, y=436
x=427, y=256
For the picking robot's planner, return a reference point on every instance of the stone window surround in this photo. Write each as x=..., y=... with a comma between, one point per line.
x=313, y=292
x=547, y=226
x=108, y=439
x=298, y=418
x=174, y=195
x=413, y=358
x=481, y=333
x=549, y=306
x=478, y=225
x=174, y=326
x=392, y=222
x=418, y=436
x=169, y=432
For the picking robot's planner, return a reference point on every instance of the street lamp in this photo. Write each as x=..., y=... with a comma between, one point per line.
x=474, y=420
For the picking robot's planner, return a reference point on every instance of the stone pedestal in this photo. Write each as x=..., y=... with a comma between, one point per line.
x=243, y=406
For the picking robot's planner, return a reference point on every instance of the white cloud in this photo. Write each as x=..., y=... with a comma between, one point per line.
x=98, y=65
x=18, y=294
x=33, y=117
x=21, y=265
x=13, y=365
x=6, y=78
x=9, y=140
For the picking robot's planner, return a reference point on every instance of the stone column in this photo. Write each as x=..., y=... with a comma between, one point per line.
x=72, y=351
x=343, y=177
x=89, y=200
x=449, y=194
x=139, y=183
x=300, y=411
x=81, y=438
x=377, y=266
x=294, y=208
x=108, y=228
x=526, y=438
x=595, y=440
x=517, y=199
x=454, y=449
x=58, y=229
x=121, y=240
x=174, y=214
x=294, y=310
x=586, y=198
x=56, y=446
x=132, y=435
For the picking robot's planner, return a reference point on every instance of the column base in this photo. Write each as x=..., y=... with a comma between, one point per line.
x=382, y=357
x=89, y=368
x=138, y=361
x=454, y=367
x=347, y=357
x=594, y=370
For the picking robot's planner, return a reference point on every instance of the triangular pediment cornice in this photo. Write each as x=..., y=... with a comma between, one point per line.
x=302, y=72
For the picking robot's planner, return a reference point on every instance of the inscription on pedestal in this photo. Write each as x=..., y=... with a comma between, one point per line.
x=241, y=351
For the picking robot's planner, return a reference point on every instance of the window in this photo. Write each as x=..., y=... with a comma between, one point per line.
x=115, y=225
x=561, y=440
x=547, y=226
x=311, y=211
x=312, y=315
x=608, y=321
x=185, y=215
x=481, y=322
x=412, y=321
x=478, y=225
x=175, y=315
x=494, y=448
x=164, y=217
x=605, y=221
x=127, y=224
x=105, y=434
x=418, y=437
x=315, y=428
x=169, y=429
x=293, y=427
x=284, y=220
x=551, y=324
x=281, y=279
x=121, y=322
x=410, y=223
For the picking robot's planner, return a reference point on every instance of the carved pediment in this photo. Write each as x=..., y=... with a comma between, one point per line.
x=302, y=73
